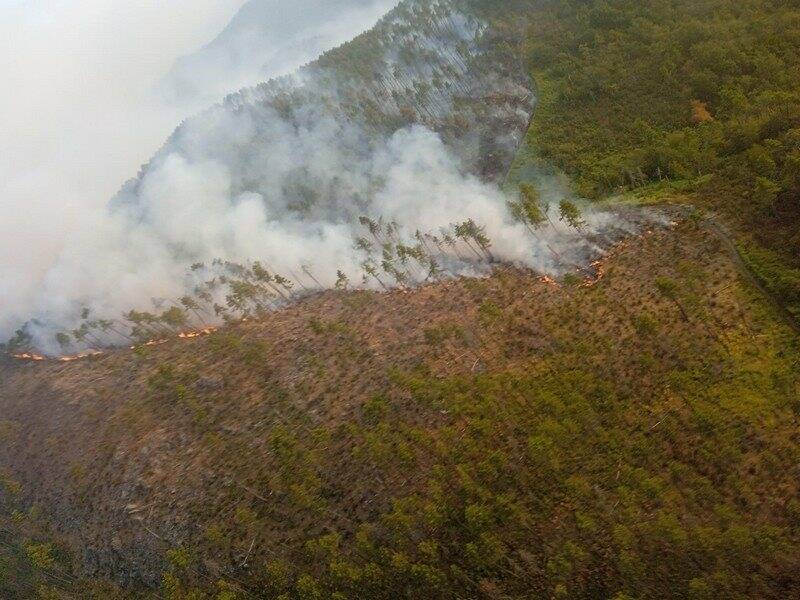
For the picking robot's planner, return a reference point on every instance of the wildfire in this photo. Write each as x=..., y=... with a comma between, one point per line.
x=28, y=356
x=599, y=270
x=184, y=335
x=600, y=266
x=86, y=354
x=199, y=333
x=548, y=280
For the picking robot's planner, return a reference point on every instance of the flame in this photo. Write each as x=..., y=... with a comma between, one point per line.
x=86, y=354
x=548, y=280
x=199, y=333
x=184, y=335
x=28, y=356
x=599, y=267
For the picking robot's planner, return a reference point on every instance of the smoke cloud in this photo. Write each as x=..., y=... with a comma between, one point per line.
x=186, y=209
x=79, y=115
x=249, y=180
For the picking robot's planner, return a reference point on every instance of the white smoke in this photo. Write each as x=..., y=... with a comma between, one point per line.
x=77, y=115
x=245, y=182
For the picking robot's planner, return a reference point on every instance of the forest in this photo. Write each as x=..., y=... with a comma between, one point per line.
x=631, y=436
x=691, y=102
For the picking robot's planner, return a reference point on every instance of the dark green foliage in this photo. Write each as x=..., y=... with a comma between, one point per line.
x=638, y=91
x=569, y=212
x=683, y=96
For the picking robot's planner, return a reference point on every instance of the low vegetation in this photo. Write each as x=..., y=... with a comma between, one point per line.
x=487, y=438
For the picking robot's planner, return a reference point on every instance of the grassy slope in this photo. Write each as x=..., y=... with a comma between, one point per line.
x=476, y=438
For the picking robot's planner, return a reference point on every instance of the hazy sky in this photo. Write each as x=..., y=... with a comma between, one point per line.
x=75, y=116
x=79, y=113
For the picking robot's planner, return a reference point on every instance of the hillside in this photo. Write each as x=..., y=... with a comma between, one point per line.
x=410, y=125
x=627, y=431
x=698, y=101
x=419, y=442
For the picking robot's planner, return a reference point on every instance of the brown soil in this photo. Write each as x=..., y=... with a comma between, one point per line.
x=135, y=451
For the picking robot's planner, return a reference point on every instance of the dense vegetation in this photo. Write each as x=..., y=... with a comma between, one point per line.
x=697, y=101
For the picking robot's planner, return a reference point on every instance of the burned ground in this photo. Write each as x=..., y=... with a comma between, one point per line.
x=590, y=424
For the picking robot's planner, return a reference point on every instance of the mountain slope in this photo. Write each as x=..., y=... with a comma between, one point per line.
x=694, y=101
x=501, y=437
x=490, y=438
x=411, y=124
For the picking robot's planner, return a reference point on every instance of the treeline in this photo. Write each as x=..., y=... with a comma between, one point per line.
x=227, y=291
x=640, y=91
x=430, y=63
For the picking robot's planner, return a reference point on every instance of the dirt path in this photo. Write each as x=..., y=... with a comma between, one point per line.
x=724, y=235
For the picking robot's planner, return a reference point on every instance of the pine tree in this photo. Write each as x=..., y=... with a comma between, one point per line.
x=570, y=213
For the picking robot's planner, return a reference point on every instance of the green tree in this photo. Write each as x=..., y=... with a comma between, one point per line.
x=570, y=213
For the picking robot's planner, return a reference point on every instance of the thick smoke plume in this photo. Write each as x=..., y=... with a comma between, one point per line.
x=187, y=210
x=286, y=175
x=76, y=117
x=78, y=114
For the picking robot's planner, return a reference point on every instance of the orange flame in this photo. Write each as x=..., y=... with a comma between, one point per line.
x=599, y=267
x=185, y=335
x=87, y=354
x=548, y=280
x=199, y=333
x=28, y=356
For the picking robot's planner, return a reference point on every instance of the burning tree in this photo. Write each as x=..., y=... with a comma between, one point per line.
x=64, y=341
x=21, y=342
x=174, y=318
x=470, y=231
x=370, y=271
x=191, y=304
x=106, y=325
x=527, y=209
